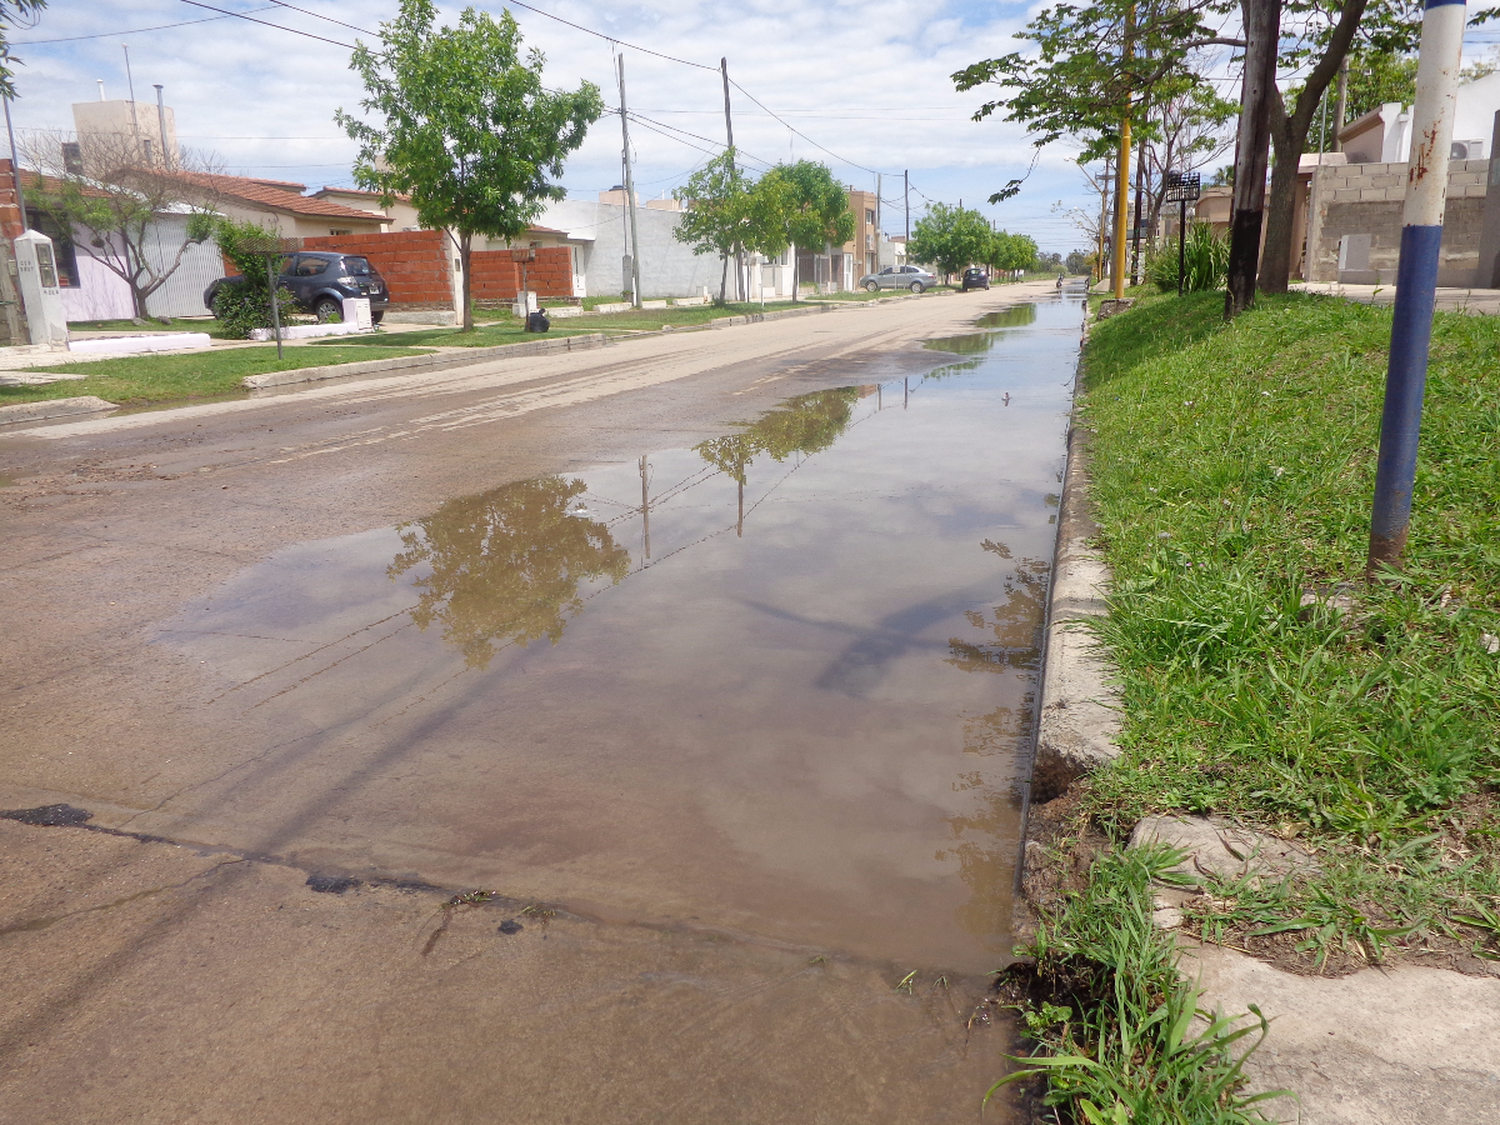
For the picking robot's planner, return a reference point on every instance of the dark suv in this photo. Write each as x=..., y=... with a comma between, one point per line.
x=319, y=280
x=975, y=278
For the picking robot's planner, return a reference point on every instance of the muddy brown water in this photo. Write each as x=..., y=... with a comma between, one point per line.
x=772, y=691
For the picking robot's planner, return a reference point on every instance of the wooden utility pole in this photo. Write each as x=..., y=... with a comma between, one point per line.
x=1252, y=151
x=635, y=238
x=739, y=266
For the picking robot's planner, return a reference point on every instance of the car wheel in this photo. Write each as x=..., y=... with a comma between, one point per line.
x=326, y=309
x=872, y=286
x=375, y=316
x=916, y=287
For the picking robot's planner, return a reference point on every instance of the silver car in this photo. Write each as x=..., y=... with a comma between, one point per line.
x=898, y=277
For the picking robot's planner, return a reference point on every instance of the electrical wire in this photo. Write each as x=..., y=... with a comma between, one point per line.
x=265, y=23
x=610, y=38
x=127, y=31
x=797, y=132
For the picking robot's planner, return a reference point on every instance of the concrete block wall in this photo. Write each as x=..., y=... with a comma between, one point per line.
x=1367, y=199
x=495, y=279
x=416, y=264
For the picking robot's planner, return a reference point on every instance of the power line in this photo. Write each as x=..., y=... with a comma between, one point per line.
x=316, y=16
x=264, y=23
x=127, y=31
x=609, y=38
x=797, y=132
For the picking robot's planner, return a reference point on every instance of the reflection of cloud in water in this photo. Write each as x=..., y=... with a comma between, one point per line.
x=506, y=565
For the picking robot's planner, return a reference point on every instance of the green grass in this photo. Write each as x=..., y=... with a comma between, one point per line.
x=485, y=335
x=1233, y=469
x=130, y=327
x=151, y=380
x=1119, y=1034
x=636, y=320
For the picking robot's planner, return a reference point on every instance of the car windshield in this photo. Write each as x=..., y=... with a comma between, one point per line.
x=357, y=267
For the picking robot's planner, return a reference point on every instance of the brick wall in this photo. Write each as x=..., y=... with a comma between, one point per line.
x=1367, y=199
x=416, y=264
x=495, y=279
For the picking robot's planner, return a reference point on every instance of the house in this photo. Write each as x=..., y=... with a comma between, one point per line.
x=399, y=215
x=280, y=206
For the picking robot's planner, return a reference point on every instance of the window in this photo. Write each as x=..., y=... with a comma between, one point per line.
x=340, y=232
x=62, y=246
x=310, y=266
x=357, y=267
x=869, y=217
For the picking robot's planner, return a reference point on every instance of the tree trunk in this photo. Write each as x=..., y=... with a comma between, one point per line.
x=796, y=274
x=724, y=281
x=465, y=246
x=1262, y=28
x=1289, y=136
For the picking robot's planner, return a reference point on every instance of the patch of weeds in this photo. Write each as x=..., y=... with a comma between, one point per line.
x=1119, y=1033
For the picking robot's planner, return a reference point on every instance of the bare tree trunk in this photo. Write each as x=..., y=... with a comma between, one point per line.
x=1289, y=137
x=724, y=281
x=1262, y=27
x=465, y=246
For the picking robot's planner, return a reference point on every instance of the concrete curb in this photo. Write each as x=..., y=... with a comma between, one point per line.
x=53, y=408
x=436, y=361
x=774, y=314
x=1078, y=715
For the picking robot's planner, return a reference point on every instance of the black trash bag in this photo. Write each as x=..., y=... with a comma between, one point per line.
x=537, y=321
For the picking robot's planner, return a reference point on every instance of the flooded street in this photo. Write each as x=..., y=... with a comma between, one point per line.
x=729, y=733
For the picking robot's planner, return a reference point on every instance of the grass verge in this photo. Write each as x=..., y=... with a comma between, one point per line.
x=1263, y=679
x=150, y=380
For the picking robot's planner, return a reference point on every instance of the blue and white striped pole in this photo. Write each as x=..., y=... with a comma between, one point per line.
x=1416, y=278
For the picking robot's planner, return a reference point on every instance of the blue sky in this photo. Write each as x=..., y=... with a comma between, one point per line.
x=866, y=85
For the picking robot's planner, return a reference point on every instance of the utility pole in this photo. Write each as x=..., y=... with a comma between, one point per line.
x=729, y=132
x=135, y=124
x=906, y=191
x=878, y=204
x=1140, y=183
x=635, y=237
x=161, y=124
x=1262, y=28
x=1416, y=280
x=1103, y=218
x=1122, y=183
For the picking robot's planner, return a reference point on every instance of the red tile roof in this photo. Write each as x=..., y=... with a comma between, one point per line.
x=277, y=198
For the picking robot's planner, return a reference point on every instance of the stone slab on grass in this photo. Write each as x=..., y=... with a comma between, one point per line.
x=1402, y=1046
x=53, y=408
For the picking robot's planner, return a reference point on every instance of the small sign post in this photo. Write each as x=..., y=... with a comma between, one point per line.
x=1182, y=188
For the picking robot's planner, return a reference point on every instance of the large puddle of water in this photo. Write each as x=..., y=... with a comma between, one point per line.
x=775, y=687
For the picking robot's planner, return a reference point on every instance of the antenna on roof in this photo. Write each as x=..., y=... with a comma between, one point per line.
x=101, y=88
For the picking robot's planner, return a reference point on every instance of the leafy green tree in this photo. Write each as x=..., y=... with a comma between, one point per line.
x=1011, y=252
x=14, y=13
x=818, y=212
x=1086, y=66
x=1079, y=261
x=1316, y=38
x=950, y=238
x=469, y=132
x=719, y=207
x=505, y=566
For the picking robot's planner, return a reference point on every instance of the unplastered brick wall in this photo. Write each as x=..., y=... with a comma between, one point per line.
x=1365, y=201
x=495, y=278
x=416, y=264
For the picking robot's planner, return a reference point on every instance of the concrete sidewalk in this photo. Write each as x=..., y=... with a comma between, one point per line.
x=1485, y=301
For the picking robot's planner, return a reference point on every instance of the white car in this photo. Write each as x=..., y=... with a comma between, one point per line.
x=898, y=277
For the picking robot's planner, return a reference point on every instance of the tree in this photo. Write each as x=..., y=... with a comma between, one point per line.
x=1078, y=261
x=949, y=238
x=718, y=207
x=126, y=206
x=1389, y=27
x=245, y=304
x=1262, y=20
x=469, y=132
x=819, y=212
x=1089, y=67
x=1011, y=252
x=1189, y=132
x=14, y=13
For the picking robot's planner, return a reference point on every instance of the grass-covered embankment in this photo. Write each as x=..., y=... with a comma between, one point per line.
x=1232, y=471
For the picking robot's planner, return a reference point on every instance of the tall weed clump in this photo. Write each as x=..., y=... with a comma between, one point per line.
x=1205, y=261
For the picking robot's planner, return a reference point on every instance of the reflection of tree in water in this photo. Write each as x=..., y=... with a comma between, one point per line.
x=506, y=565
x=977, y=343
x=985, y=839
x=806, y=424
x=1015, y=626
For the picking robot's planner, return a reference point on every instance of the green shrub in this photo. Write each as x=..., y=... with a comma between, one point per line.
x=246, y=305
x=241, y=308
x=1206, y=261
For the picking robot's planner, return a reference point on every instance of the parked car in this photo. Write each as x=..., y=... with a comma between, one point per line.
x=320, y=280
x=975, y=278
x=898, y=277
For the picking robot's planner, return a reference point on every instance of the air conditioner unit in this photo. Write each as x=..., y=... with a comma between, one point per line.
x=1466, y=150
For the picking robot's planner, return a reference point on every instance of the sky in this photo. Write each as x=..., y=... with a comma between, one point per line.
x=867, y=87
x=864, y=88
